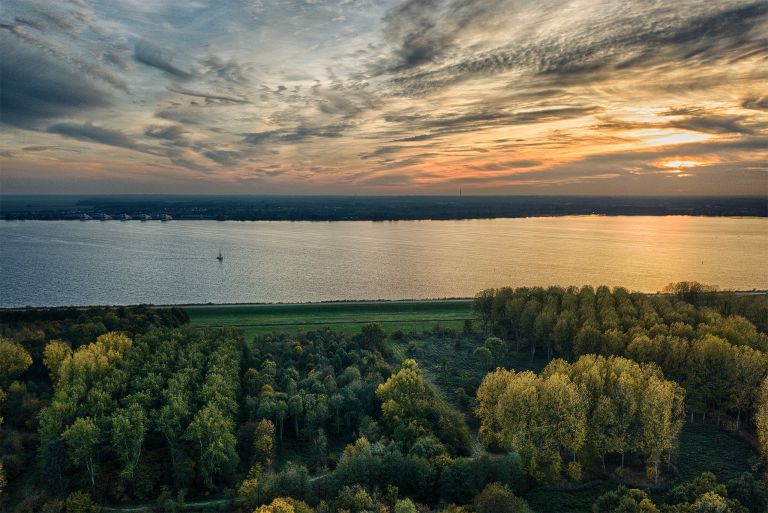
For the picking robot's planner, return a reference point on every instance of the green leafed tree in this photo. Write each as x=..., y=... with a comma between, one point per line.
x=211, y=433
x=129, y=427
x=82, y=440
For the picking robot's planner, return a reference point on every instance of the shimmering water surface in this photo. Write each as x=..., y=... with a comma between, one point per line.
x=86, y=263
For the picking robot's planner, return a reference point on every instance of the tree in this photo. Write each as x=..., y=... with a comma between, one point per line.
x=212, y=433
x=662, y=417
x=263, y=443
x=56, y=352
x=405, y=395
x=80, y=502
x=250, y=489
x=170, y=421
x=483, y=307
x=565, y=411
x=284, y=505
x=295, y=411
x=761, y=419
x=588, y=340
x=16, y=360
x=496, y=346
x=495, y=498
x=564, y=332
x=82, y=439
x=750, y=492
x=624, y=500
x=354, y=499
x=128, y=429
x=484, y=356
x=488, y=395
x=405, y=506
x=373, y=338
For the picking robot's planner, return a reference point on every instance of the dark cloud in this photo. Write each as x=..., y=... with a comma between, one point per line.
x=384, y=150
x=712, y=125
x=223, y=157
x=93, y=133
x=415, y=30
x=447, y=124
x=225, y=70
x=156, y=57
x=298, y=134
x=211, y=97
x=167, y=132
x=756, y=103
x=34, y=87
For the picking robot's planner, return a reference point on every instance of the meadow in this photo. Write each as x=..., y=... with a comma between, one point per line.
x=350, y=317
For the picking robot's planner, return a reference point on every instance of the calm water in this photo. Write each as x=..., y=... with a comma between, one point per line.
x=80, y=263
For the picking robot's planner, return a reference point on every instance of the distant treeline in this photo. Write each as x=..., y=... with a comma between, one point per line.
x=371, y=208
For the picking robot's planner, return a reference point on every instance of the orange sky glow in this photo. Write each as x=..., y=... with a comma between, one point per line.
x=382, y=97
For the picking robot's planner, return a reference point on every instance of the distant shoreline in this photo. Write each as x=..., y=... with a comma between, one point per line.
x=340, y=302
x=362, y=220
x=368, y=208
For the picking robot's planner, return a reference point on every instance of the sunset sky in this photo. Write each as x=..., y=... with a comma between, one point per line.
x=382, y=97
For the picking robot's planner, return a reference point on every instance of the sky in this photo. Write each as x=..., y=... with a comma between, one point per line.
x=384, y=97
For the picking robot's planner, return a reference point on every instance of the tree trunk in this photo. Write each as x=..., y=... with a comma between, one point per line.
x=602, y=459
x=738, y=420
x=622, y=459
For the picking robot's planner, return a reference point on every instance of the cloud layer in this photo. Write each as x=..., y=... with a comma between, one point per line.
x=367, y=96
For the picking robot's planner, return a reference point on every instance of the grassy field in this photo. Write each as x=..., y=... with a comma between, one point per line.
x=408, y=316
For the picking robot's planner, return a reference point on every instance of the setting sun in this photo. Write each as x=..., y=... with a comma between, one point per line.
x=681, y=163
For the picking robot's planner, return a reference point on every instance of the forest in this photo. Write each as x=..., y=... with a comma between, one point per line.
x=548, y=399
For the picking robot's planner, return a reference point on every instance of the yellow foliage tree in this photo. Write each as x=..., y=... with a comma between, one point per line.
x=284, y=505
x=761, y=419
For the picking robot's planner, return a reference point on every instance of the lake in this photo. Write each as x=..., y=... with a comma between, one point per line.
x=52, y=263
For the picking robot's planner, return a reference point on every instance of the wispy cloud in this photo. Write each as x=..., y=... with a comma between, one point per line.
x=395, y=96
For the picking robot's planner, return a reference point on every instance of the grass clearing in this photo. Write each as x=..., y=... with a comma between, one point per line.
x=408, y=316
x=450, y=363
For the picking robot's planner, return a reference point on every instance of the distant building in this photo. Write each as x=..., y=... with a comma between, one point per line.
x=104, y=217
x=145, y=217
x=85, y=217
x=125, y=217
x=166, y=217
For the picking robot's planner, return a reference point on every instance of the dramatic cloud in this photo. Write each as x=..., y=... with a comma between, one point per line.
x=396, y=96
x=152, y=55
x=34, y=87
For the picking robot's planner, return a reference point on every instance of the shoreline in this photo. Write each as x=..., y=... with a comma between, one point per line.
x=385, y=220
x=340, y=302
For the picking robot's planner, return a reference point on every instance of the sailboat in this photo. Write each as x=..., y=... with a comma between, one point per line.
x=220, y=257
